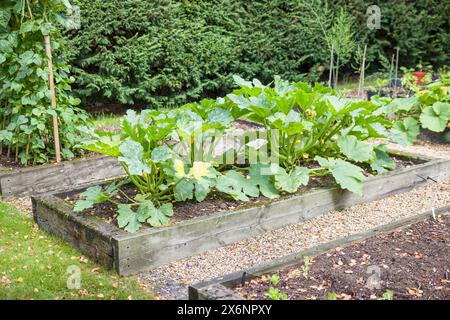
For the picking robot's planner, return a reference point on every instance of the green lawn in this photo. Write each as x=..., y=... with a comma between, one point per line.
x=34, y=265
x=106, y=120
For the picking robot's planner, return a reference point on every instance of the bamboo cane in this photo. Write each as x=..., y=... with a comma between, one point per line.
x=331, y=66
x=363, y=68
x=48, y=50
x=396, y=72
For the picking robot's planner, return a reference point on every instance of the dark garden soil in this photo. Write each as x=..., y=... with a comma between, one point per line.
x=215, y=201
x=414, y=263
x=11, y=164
x=190, y=209
x=435, y=137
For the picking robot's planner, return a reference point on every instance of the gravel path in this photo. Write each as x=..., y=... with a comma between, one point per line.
x=424, y=148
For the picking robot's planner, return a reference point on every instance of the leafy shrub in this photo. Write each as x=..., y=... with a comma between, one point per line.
x=26, y=114
x=178, y=155
x=165, y=53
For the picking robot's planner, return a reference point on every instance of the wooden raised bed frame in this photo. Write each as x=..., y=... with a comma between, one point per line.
x=51, y=177
x=148, y=248
x=220, y=288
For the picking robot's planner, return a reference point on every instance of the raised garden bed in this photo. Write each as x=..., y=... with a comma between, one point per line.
x=151, y=247
x=407, y=259
x=25, y=181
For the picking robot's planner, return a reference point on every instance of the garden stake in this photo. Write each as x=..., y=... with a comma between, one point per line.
x=331, y=66
x=364, y=67
x=48, y=49
x=396, y=71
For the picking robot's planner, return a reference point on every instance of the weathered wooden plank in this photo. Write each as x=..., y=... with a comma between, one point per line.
x=45, y=178
x=89, y=235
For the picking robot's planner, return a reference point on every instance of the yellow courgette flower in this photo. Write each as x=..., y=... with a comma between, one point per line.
x=179, y=168
x=199, y=169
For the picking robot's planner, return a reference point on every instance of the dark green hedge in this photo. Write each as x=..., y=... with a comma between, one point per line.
x=163, y=53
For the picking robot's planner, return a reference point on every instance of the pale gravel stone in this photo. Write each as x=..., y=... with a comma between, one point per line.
x=423, y=148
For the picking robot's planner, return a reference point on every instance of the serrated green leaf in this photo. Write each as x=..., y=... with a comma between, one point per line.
x=156, y=217
x=381, y=162
x=347, y=175
x=241, y=82
x=133, y=157
x=184, y=190
x=161, y=154
x=127, y=218
x=90, y=197
x=219, y=115
x=405, y=131
x=290, y=182
x=435, y=117
x=354, y=149
x=81, y=205
x=237, y=186
x=259, y=174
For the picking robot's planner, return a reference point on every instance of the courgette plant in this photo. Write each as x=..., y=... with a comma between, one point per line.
x=315, y=128
x=429, y=108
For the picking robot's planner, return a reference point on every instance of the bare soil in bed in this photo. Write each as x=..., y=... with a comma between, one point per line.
x=215, y=202
x=9, y=163
x=413, y=263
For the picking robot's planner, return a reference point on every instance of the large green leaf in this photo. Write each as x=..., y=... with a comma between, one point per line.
x=436, y=117
x=128, y=219
x=133, y=157
x=106, y=144
x=354, y=149
x=262, y=177
x=156, y=217
x=237, y=186
x=347, y=175
x=404, y=131
x=290, y=182
x=161, y=154
x=90, y=197
x=219, y=115
x=184, y=190
x=381, y=161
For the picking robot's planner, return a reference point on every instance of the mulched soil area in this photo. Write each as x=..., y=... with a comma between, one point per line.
x=215, y=202
x=413, y=263
x=10, y=163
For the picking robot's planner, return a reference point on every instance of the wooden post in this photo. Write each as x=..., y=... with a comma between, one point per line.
x=396, y=72
x=363, y=68
x=331, y=66
x=48, y=50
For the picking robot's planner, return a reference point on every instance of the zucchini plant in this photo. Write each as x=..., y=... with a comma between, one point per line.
x=158, y=151
x=429, y=108
x=177, y=155
x=315, y=128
